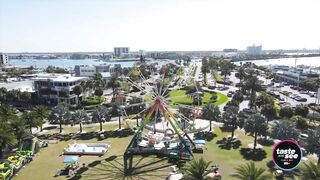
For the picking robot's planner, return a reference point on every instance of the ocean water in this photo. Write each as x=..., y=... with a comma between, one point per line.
x=70, y=63
x=308, y=61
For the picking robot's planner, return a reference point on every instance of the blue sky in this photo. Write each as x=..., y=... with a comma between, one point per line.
x=100, y=25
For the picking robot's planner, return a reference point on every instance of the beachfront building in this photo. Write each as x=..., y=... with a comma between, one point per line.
x=296, y=75
x=52, y=89
x=254, y=50
x=4, y=59
x=90, y=70
x=120, y=51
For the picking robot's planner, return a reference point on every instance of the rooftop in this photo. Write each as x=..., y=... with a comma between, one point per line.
x=59, y=77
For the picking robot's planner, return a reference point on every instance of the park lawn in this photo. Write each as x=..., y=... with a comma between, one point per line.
x=180, y=97
x=217, y=76
x=110, y=166
x=221, y=99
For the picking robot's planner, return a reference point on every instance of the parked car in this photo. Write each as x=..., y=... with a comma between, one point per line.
x=211, y=87
x=303, y=91
x=223, y=88
x=293, y=95
x=301, y=99
x=294, y=87
x=247, y=110
x=230, y=94
x=312, y=94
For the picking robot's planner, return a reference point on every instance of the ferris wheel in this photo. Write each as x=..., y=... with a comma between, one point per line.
x=163, y=130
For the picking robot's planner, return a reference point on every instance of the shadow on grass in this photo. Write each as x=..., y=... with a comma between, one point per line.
x=88, y=135
x=50, y=128
x=208, y=136
x=226, y=143
x=265, y=142
x=150, y=167
x=225, y=129
x=254, y=155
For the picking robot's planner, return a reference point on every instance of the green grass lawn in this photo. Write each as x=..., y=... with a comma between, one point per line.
x=180, y=97
x=217, y=76
x=110, y=166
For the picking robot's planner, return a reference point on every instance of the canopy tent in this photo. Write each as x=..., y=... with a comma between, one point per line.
x=71, y=159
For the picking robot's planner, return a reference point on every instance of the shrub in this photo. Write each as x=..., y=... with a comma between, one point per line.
x=301, y=123
x=93, y=100
x=286, y=112
x=302, y=110
x=98, y=92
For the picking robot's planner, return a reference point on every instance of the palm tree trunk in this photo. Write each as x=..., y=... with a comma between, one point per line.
x=210, y=129
x=119, y=123
x=1, y=151
x=137, y=122
x=100, y=125
x=41, y=128
x=232, y=134
x=318, y=159
x=255, y=141
x=60, y=126
x=80, y=127
x=30, y=129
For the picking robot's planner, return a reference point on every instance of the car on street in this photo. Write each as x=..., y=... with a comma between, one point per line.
x=303, y=91
x=293, y=95
x=301, y=99
x=211, y=87
x=230, y=93
x=223, y=88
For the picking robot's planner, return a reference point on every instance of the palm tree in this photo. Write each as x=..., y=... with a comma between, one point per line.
x=231, y=120
x=18, y=126
x=100, y=114
x=31, y=120
x=42, y=113
x=196, y=169
x=269, y=111
x=7, y=136
x=3, y=93
x=62, y=113
x=98, y=81
x=12, y=94
x=310, y=171
x=78, y=90
x=226, y=68
x=80, y=116
x=89, y=85
x=25, y=96
x=241, y=74
x=284, y=130
x=6, y=112
x=313, y=142
x=113, y=83
x=255, y=125
x=211, y=112
x=252, y=84
x=250, y=172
